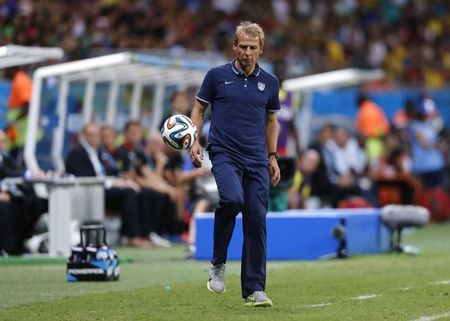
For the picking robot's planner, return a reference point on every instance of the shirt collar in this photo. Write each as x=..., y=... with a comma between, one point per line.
x=89, y=149
x=237, y=71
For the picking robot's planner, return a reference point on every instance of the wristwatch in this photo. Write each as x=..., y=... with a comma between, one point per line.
x=274, y=154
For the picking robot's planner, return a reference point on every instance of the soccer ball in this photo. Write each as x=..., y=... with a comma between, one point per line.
x=179, y=132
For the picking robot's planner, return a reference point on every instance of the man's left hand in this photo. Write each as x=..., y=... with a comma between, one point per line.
x=274, y=171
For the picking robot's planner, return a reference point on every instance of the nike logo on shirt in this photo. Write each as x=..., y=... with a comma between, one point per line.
x=228, y=82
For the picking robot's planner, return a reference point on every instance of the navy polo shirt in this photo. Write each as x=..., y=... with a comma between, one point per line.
x=239, y=106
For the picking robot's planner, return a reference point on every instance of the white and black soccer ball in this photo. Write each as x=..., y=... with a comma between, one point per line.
x=179, y=132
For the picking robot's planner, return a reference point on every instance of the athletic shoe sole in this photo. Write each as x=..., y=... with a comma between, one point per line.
x=211, y=290
x=266, y=304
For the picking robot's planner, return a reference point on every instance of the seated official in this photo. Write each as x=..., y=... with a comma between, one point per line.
x=7, y=234
x=149, y=200
x=83, y=160
x=134, y=163
x=20, y=207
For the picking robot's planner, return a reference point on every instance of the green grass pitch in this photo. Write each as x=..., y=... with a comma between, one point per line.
x=160, y=285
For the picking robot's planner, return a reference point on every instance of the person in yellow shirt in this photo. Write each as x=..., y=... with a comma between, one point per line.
x=300, y=190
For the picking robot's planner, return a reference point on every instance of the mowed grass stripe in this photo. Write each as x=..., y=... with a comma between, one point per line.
x=25, y=284
x=292, y=288
x=142, y=294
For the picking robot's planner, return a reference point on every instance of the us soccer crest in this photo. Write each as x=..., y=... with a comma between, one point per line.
x=261, y=86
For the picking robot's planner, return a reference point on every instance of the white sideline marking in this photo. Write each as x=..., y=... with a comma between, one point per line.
x=365, y=297
x=443, y=282
x=434, y=317
x=319, y=305
x=405, y=288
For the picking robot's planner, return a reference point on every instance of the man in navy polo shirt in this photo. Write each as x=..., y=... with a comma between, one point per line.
x=242, y=147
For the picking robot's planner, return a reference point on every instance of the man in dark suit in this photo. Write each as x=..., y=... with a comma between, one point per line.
x=120, y=196
x=7, y=234
x=20, y=207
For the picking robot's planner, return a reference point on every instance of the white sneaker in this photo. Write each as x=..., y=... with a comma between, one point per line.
x=190, y=251
x=34, y=243
x=258, y=299
x=216, y=282
x=158, y=240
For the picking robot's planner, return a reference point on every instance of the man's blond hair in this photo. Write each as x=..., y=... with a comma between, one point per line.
x=250, y=29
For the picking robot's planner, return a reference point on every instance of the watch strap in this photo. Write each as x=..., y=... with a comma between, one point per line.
x=274, y=154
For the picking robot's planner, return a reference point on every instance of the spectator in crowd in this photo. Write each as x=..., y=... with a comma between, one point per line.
x=20, y=207
x=17, y=114
x=149, y=199
x=406, y=38
x=179, y=104
x=135, y=164
x=175, y=170
x=8, y=165
x=393, y=175
x=179, y=171
x=395, y=158
x=432, y=115
x=342, y=149
x=410, y=45
x=323, y=187
x=350, y=166
x=300, y=190
x=7, y=234
x=402, y=118
x=108, y=150
x=167, y=164
x=371, y=122
x=427, y=158
x=83, y=160
x=189, y=182
x=156, y=153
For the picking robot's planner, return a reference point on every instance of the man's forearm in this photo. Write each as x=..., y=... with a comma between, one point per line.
x=272, y=132
x=197, y=115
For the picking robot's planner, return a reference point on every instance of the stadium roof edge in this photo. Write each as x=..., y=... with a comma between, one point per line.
x=332, y=79
x=328, y=80
x=15, y=55
x=117, y=69
x=83, y=65
x=81, y=69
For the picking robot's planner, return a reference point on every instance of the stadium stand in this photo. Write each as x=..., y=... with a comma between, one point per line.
x=123, y=60
x=407, y=38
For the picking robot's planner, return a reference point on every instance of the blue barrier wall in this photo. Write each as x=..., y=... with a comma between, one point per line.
x=304, y=234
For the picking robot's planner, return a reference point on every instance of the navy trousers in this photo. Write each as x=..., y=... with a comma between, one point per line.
x=243, y=187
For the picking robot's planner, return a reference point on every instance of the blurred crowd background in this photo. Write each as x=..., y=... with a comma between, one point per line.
x=379, y=158
x=410, y=40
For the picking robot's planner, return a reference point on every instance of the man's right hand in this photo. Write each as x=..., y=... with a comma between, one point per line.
x=5, y=197
x=196, y=153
